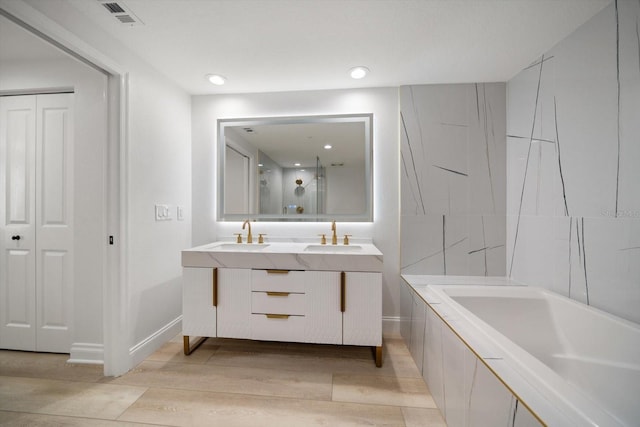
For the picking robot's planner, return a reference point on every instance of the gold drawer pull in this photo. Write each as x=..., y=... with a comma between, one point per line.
x=277, y=316
x=278, y=294
x=277, y=271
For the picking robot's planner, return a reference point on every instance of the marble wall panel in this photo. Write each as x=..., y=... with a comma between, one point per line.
x=573, y=157
x=454, y=245
x=489, y=401
x=453, y=201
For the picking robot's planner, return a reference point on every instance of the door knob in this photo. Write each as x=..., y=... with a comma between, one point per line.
x=16, y=237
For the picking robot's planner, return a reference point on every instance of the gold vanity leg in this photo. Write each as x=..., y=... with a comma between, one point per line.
x=378, y=351
x=189, y=348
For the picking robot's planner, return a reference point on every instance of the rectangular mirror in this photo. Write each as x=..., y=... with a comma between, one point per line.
x=311, y=168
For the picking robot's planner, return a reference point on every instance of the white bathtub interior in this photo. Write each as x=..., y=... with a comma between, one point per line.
x=596, y=353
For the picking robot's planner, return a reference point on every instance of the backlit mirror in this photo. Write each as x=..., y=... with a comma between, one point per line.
x=311, y=168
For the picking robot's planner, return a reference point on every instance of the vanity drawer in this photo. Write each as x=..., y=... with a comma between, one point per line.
x=277, y=328
x=278, y=303
x=278, y=280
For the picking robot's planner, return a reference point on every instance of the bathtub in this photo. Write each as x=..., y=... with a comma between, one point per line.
x=580, y=361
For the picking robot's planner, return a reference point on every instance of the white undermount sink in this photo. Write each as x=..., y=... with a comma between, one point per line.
x=241, y=246
x=333, y=248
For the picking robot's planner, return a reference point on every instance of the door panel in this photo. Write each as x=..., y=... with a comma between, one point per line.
x=53, y=290
x=52, y=157
x=54, y=231
x=18, y=138
x=19, y=302
x=17, y=217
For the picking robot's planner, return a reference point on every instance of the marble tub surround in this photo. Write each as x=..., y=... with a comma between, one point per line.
x=289, y=254
x=573, y=200
x=453, y=179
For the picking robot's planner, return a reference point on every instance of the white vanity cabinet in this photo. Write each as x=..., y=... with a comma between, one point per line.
x=292, y=292
x=322, y=307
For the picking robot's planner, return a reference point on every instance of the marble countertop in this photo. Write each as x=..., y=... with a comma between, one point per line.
x=286, y=255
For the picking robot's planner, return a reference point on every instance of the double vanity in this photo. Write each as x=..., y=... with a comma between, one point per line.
x=284, y=291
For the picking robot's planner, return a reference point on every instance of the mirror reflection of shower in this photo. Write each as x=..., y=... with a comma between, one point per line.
x=304, y=190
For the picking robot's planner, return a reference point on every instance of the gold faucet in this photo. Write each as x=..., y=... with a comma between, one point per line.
x=334, y=237
x=249, y=236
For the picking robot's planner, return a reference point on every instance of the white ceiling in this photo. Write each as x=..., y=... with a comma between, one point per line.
x=283, y=45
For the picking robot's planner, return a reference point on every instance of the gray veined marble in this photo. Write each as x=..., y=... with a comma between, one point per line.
x=453, y=179
x=285, y=255
x=573, y=200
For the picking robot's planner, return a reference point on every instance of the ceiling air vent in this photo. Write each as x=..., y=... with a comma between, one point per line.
x=121, y=12
x=126, y=19
x=114, y=7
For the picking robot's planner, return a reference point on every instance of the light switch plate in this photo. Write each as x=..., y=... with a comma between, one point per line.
x=163, y=213
x=180, y=213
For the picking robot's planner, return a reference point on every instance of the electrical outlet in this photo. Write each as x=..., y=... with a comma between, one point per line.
x=163, y=213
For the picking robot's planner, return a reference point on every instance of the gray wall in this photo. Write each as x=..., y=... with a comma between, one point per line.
x=573, y=151
x=453, y=181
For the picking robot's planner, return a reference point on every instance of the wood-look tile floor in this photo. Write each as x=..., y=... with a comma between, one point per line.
x=223, y=383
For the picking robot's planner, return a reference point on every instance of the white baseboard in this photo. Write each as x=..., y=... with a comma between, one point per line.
x=391, y=326
x=149, y=345
x=86, y=353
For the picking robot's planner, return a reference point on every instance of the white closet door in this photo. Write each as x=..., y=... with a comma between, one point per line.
x=54, y=220
x=36, y=237
x=17, y=218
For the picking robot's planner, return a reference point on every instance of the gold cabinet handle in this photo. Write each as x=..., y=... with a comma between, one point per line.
x=343, y=291
x=277, y=316
x=277, y=271
x=215, y=287
x=278, y=294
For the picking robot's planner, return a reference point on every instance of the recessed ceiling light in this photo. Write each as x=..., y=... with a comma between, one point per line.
x=358, y=72
x=260, y=165
x=296, y=164
x=216, y=79
x=328, y=147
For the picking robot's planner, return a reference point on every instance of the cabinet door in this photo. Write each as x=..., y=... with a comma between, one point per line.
x=323, y=318
x=198, y=309
x=362, y=318
x=234, y=303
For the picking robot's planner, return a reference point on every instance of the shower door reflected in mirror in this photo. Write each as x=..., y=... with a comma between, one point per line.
x=296, y=168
